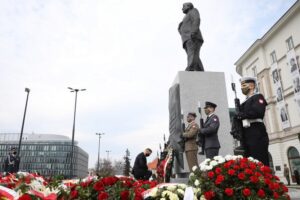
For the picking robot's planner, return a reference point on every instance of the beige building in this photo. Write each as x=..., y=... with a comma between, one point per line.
x=274, y=60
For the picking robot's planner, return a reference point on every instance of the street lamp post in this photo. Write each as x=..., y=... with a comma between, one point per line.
x=22, y=128
x=98, y=165
x=107, y=151
x=73, y=131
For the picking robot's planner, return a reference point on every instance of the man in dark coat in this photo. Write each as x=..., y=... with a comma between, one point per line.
x=140, y=168
x=191, y=36
x=12, y=161
x=210, y=131
x=252, y=112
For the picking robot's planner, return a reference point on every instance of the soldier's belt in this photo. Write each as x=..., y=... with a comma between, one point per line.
x=248, y=122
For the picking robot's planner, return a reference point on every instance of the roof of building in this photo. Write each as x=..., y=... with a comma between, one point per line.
x=33, y=137
x=153, y=164
x=292, y=10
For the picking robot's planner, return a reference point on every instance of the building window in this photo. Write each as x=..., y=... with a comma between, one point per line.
x=290, y=43
x=254, y=71
x=294, y=161
x=273, y=57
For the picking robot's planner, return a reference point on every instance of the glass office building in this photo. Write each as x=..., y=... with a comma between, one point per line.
x=47, y=154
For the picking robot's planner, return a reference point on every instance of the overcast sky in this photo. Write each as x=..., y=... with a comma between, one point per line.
x=126, y=53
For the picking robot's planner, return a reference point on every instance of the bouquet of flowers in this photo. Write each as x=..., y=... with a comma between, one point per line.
x=172, y=191
x=164, y=167
x=236, y=177
x=25, y=186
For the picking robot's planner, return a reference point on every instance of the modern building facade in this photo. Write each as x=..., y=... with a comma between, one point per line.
x=47, y=154
x=274, y=60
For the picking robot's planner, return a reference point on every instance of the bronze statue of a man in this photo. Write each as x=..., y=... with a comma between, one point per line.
x=191, y=37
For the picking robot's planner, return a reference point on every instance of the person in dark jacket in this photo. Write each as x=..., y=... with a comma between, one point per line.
x=210, y=131
x=252, y=112
x=140, y=168
x=12, y=161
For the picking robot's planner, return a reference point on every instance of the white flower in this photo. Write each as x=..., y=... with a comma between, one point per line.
x=182, y=186
x=180, y=191
x=213, y=163
x=197, y=182
x=171, y=188
x=162, y=199
x=191, y=175
x=228, y=157
x=207, y=168
x=194, y=168
x=153, y=192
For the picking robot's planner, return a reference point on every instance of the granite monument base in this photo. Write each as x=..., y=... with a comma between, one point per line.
x=193, y=87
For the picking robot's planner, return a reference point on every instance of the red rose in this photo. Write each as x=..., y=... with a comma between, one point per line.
x=284, y=188
x=74, y=194
x=209, y=195
x=267, y=181
x=219, y=179
x=252, y=166
x=25, y=197
x=210, y=174
x=108, y=181
x=248, y=171
x=246, y=192
x=257, y=174
x=243, y=165
x=261, y=193
x=241, y=176
x=271, y=186
x=231, y=172
x=275, y=195
x=218, y=170
x=265, y=169
x=99, y=186
x=229, y=192
x=227, y=165
x=254, y=179
x=236, y=167
x=276, y=186
x=124, y=195
x=102, y=196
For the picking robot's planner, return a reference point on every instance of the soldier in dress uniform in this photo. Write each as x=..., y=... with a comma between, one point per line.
x=210, y=131
x=190, y=136
x=12, y=161
x=252, y=112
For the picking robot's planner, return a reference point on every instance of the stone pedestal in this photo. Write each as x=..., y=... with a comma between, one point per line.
x=193, y=87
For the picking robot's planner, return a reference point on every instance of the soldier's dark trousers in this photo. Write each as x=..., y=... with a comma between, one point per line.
x=211, y=153
x=257, y=142
x=192, y=48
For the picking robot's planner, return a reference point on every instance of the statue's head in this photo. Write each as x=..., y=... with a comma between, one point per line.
x=186, y=7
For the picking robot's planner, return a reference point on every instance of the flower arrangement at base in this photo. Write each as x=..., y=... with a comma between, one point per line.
x=236, y=177
x=171, y=191
x=25, y=186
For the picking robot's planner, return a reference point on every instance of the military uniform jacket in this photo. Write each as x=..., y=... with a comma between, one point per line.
x=11, y=164
x=210, y=132
x=254, y=108
x=190, y=136
x=190, y=24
